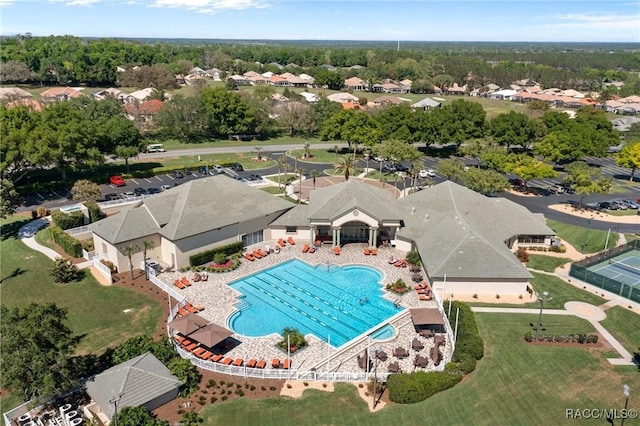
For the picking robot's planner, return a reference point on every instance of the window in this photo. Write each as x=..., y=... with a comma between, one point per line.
x=531, y=239
x=253, y=238
x=292, y=229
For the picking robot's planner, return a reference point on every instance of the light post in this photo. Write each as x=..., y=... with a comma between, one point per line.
x=586, y=235
x=544, y=298
x=114, y=400
x=625, y=391
x=606, y=244
x=376, y=351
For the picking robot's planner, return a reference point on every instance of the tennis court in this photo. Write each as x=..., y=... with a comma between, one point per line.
x=626, y=270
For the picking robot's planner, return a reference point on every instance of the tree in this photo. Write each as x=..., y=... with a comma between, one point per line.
x=84, y=189
x=345, y=165
x=529, y=167
x=352, y=127
x=146, y=245
x=138, y=416
x=513, y=128
x=280, y=163
x=587, y=180
x=131, y=348
x=452, y=168
x=36, y=348
x=126, y=152
x=460, y=121
x=10, y=200
x=629, y=157
x=191, y=418
x=187, y=373
x=484, y=181
x=129, y=250
x=16, y=72
x=228, y=113
x=63, y=271
x=314, y=175
x=183, y=118
x=477, y=148
x=16, y=133
x=331, y=79
x=297, y=117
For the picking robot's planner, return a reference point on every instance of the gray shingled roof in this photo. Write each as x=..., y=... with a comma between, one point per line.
x=195, y=207
x=461, y=233
x=139, y=380
x=297, y=216
x=336, y=200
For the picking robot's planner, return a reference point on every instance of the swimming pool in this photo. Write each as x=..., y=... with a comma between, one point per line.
x=334, y=303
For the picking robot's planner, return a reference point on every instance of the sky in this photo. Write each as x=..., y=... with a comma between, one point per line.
x=417, y=20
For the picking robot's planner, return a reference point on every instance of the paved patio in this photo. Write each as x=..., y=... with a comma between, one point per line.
x=219, y=299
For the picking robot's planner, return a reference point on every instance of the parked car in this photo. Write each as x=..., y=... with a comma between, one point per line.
x=556, y=189
x=568, y=188
x=165, y=187
x=255, y=177
x=516, y=182
x=236, y=167
x=128, y=194
x=401, y=168
x=117, y=180
x=141, y=191
x=379, y=159
x=202, y=170
x=111, y=196
x=620, y=204
x=389, y=168
x=217, y=169
x=178, y=174
x=607, y=205
x=630, y=204
x=427, y=173
x=154, y=190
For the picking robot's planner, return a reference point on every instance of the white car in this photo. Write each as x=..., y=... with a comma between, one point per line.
x=427, y=173
x=379, y=159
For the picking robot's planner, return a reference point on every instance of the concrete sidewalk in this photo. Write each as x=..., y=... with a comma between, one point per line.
x=27, y=235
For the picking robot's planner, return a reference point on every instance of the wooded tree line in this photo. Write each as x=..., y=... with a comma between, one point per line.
x=70, y=60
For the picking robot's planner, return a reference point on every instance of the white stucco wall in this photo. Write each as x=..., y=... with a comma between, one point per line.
x=491, y=288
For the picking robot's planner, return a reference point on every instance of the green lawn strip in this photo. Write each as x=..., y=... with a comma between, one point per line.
x=95, y=312
x=560, y=291
x=273, y=190
x=319, y=156
x=516, y=383
x=43, y=237
x=625, y=326
x=170, y=144
x=592, y=239
x=628, y=212
x=284, y=179
x=545, y=263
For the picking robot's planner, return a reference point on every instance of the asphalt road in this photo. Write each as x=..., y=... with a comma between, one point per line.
x=535, y=204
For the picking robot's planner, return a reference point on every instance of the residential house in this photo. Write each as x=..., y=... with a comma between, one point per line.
x=386, y=100
x=55, y=94
x=277, y=65
x=343, y=97
x=240, y=80
x=255, y=78
x=406, y=84
x=278, y=81
x=139, y=95
x=329, y=67
x=310, y=97
x=456, y=90
x=355, y=83
x=8, y=94
x=214, y=73
x=110, y=92
x=436, y=90
x=295, y=81
x=623, y=124
x=426, y=104
x=503, y=95
x=30, y=103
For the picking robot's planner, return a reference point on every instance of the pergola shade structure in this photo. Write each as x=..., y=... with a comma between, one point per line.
x=427, y=318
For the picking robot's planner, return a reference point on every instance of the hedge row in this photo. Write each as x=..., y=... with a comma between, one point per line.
x=95, y=214
x=418, y=386
x=207, y=256
x=70, y=245
x=67, y=221
x=468, y=341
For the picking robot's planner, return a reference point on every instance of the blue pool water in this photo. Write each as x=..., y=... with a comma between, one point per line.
x=383, y=333
x=333, y=303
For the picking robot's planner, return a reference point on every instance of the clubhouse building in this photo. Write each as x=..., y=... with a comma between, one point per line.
x=466, y=241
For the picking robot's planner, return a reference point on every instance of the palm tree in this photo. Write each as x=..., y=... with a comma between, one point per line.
x=129, y=250
x=146, y=245
x=282, y=160
x=285, y=169
x=416, y=166
x=258, y=149
x=335, y=149
x=307, y=150
x=344, y=165
x=314, y=175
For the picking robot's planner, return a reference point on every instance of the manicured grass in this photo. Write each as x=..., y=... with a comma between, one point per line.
x=43, y=237
x=625, y=326
x=509, y=387
x=628, y=212
x=170, y=144
x=9, y=402
x=593, y=240
x=273, y=190
x=560, y=291
x=284, y=179
x=545, y=263
x=95, y=312
x=320, y=156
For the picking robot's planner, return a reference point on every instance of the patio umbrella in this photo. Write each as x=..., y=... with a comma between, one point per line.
x=210, y=335
x=188, y=323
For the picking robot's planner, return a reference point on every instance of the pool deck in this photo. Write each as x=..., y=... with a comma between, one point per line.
x=219, y=299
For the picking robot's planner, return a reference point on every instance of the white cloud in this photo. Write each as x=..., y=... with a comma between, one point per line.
x=6, y=2
x=211, y=6
x=593, y=20
x=76, y=2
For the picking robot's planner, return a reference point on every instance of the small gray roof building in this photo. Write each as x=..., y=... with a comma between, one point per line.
x=141, y=381
x=426, y=103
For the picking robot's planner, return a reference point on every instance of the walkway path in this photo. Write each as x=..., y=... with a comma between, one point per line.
x=591, y=313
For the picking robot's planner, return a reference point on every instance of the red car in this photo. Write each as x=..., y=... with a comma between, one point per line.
x=117, y=180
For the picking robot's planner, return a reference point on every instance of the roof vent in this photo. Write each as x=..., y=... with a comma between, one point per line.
x=426, y=217
x=413, y=211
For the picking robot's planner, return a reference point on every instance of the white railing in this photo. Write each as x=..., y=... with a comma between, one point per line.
x=113, y=203
x=166, y=288
x=77, y=230
x=447, y=326
x=90, y=255
x=104, y=270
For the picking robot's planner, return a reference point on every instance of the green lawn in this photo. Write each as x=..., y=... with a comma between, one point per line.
x=273, y=190
x=560, y=291
x=593, y=240
x=515, y=384
x=321, y=156
x=545, y=263
x=170, y=144
x=95, y=312
x=625, y=326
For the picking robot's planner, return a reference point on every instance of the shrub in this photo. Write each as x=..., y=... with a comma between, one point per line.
x=293, y=337
x=67, y=221
x=63, y=271
x=475, y=295
x=399, y=286
x=464, y=362
x=95, y=214
x=272, y=388
x=70, y=245
x=413, y=257
x=187, y=374
x=418, y=386
x=522, y=255
x=240, y=392
x=109, y=264
x=220, y=258
x=42, y=212
x=209, y=255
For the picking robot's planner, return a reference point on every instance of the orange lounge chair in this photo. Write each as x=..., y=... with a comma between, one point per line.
x=252, y=363
x=191, y=346
x=185, y=281
x=312, y=250
x=336, y=250
x=180, y=339
x=305, y=248
x=261, y=364
x=425, y=297
x=374, y=251
x=205, y=355
x=287, y=364
x=216, y=358
x=275, y=363
x=182, y=311
x=291, y=241
x=238, y=362
x=186, y=342
x=199, y=351
x=262, y=253
x=257, y=255
x=249, y=256
x=179, y=284
x=366, y=251
x=227, y=361
x=281, y=242
x=189, y=307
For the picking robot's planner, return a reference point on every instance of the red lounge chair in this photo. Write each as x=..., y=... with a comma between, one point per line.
x=238, y=362
x=189, y=307
x=185, y=281
x=287, y=364
x=312, y=250
x=252, y=363
x=305, y=248
x=191, y=346
x=205, y=355
x=216, y=358
x=374, y=251
x=186, y=342
x=275, y=363
x=227, y=361
x=291, y=241
x=183, y=311
x=180, y=339
x=366, y=251
x=281, y=242
x=179, y=284
x=257, y=254
x=261, y=364
x=262, y=253
x=336, y=250
x=199, y=351
x=425, y=297
x=249, y=256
